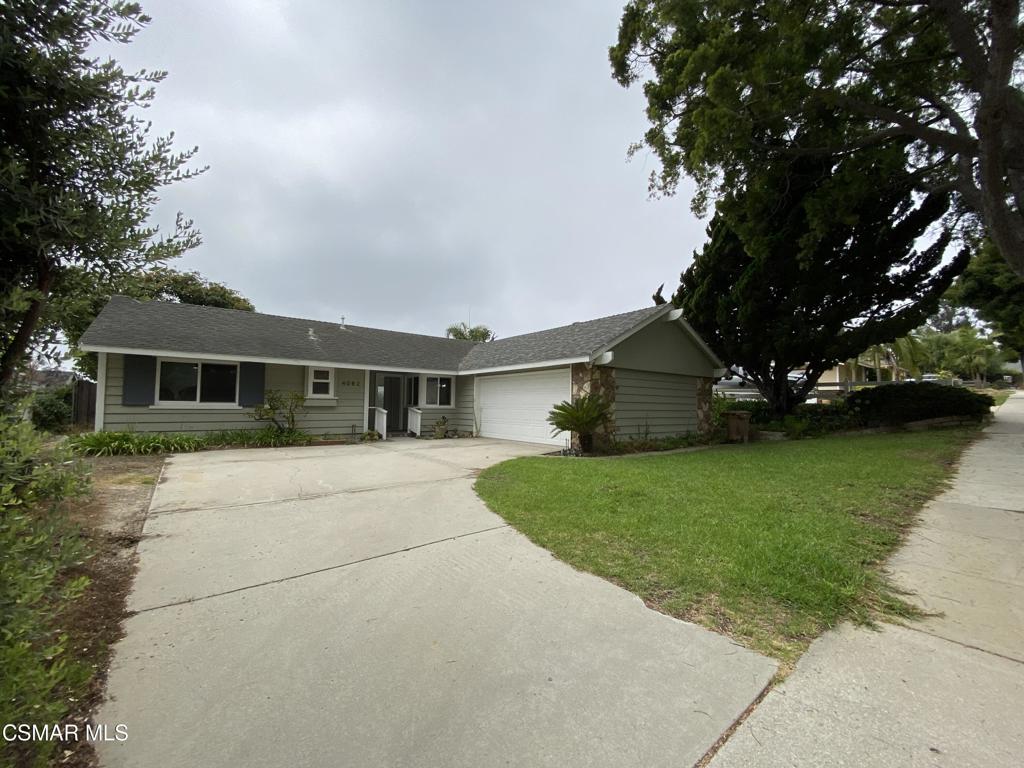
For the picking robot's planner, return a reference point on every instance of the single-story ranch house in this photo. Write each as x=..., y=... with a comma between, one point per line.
x=167, y=367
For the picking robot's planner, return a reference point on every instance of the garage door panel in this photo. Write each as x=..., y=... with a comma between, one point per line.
x=516, y=406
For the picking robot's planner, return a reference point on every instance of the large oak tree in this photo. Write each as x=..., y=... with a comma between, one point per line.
x=730, y=84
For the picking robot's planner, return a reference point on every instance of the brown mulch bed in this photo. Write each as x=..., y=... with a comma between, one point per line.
x=111, y=519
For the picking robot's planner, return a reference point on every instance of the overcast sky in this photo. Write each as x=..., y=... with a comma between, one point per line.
x=405, y=164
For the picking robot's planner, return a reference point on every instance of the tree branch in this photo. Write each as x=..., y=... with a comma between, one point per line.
x=910, y=126
x=960, y=28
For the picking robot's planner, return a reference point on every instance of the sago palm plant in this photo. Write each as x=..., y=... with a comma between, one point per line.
x=584, y=417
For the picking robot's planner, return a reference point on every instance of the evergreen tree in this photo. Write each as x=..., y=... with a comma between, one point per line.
x=779, y=286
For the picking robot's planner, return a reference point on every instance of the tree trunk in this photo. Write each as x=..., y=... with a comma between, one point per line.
x=776, y=391
x=996, y=193
x=14, y=353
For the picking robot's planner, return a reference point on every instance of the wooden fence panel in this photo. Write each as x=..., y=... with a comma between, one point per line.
x=83, y=403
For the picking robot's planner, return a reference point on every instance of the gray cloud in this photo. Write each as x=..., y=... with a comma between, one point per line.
x=407, y=163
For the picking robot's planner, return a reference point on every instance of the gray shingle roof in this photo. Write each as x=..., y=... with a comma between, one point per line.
x=567, y=341
x=193, y=330
x=190, y=329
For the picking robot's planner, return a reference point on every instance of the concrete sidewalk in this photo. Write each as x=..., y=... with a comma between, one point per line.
x=944, y=691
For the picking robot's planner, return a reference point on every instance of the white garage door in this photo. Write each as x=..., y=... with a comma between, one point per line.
x=515, y=406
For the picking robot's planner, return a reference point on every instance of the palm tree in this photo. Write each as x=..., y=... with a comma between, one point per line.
x=588, y=414
x=469, y=333
x=908, y=353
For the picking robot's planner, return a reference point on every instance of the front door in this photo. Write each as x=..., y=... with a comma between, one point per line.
x=393, y=403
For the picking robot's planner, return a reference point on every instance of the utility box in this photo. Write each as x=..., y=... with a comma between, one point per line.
x=737, y=425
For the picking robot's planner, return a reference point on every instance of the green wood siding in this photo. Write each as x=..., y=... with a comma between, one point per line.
x=459, y=414
x=462, y=418
x=654, y=404
x=663, y=347
x=344, y=415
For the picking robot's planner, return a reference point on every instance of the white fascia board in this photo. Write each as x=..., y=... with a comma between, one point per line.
x=526, y=366
x=257, y=359
x=700, y=343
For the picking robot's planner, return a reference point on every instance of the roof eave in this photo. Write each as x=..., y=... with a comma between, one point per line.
x=525, y=366
x=262, y=359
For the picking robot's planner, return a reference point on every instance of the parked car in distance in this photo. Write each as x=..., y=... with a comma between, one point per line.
x=733, y=378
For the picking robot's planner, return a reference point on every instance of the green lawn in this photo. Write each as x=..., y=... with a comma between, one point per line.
x=1001, y=395
x=771, y=543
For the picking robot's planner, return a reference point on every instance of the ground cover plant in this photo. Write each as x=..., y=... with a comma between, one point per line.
x=646, y=444
x=146, y=443
x=40, y=548
x=770, y=543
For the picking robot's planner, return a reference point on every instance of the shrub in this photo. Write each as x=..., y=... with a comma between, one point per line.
x=281, y=409
x=760, y=411
x=51, y=409
x=584, y=417
x=38, y=546
x=814, y=419
x=902, y=403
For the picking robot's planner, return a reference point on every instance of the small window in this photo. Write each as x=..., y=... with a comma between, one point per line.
x=439, y=390
x=321, y=382
x=412, y=391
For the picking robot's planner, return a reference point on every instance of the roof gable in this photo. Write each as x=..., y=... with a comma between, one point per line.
x=566, y=342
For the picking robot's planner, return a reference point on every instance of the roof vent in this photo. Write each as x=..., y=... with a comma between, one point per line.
x=343, y=322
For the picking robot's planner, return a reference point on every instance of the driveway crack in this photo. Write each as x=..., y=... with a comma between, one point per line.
x=293, y=577
x=308, y=496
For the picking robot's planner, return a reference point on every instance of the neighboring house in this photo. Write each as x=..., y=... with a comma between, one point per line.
x=49, y=378
x=863, y=371
x=847, y=372
x=167, y=367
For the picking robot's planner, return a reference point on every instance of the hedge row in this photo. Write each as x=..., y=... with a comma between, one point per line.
x=888, y=405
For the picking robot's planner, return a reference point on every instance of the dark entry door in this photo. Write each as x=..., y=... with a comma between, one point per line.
x=393, y=403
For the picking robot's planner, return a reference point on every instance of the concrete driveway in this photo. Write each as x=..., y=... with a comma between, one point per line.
x=359, y=605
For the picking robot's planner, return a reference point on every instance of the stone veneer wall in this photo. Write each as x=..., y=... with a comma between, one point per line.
x=705, y=420
x=594, y=379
